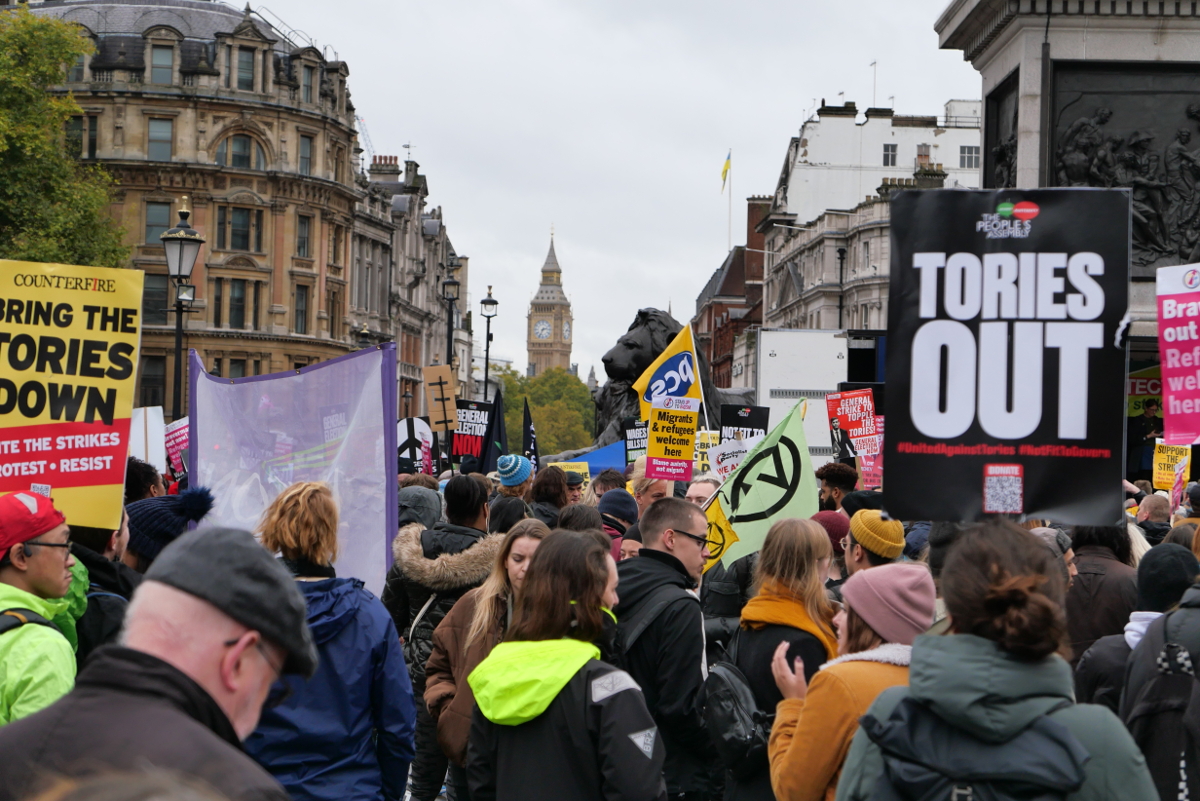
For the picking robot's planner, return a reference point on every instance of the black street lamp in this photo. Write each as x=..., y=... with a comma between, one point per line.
x=450, y=289
x=182, y=244
x=487, y=307
x=407, y=399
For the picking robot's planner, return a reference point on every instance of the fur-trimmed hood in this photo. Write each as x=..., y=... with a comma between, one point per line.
x=446, y=571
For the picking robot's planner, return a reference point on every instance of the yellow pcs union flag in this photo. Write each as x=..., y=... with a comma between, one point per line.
x=774, y=481
x=673, y=374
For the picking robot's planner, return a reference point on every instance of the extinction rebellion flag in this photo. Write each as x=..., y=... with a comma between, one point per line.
x=1006, y=359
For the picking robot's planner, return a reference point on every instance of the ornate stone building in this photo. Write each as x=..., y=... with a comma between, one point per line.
x=548, y=339
x=255, y=126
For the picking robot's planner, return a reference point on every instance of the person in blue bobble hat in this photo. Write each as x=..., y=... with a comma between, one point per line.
x=516, y=477
x=154, y=523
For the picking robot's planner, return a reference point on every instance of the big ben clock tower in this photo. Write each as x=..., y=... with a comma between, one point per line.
x=548, y=339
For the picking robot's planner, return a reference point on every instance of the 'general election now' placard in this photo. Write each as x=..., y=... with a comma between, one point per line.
x=69, y=340
x=1005, y=359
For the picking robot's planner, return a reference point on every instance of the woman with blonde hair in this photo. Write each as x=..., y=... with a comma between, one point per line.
x=791, y=610
x=467, y=635
x=347, y=733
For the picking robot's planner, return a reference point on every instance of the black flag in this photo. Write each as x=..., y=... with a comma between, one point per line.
x=529, y=438
x=495, y=441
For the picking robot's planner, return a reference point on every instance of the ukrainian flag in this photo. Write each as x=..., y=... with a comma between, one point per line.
x=675, y=373
x=725, y=170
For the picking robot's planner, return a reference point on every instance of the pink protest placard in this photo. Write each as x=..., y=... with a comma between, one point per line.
x=1178, y=290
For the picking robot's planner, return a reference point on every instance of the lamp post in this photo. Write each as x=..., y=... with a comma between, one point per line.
x=450, y=289
x=407, y=399
x=487, y=307
x=182, y=244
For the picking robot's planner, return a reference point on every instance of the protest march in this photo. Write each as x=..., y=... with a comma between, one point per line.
x=905, y=510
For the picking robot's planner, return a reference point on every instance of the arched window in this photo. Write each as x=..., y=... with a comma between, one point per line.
x=235, y=151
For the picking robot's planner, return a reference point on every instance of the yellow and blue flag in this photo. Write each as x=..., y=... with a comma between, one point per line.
x=673, y=374
x=773, y=482
x=725, y=170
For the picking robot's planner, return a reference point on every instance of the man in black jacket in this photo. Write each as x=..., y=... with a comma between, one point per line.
x=110, y=585
x=1154, y=518
x=1163, y=576
x=215, y=623
x=661, y=625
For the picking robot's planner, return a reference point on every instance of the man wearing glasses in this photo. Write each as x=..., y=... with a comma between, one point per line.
x=210, y=630
x=662, y=632
x=35, y=575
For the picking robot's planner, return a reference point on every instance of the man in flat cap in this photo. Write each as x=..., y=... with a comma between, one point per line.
x=35, y=575
x=215, y=622
x=575, y=482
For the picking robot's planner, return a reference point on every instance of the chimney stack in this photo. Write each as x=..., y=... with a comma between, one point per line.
x=385, y=168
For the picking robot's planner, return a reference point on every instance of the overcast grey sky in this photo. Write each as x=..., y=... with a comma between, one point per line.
x=611, y=120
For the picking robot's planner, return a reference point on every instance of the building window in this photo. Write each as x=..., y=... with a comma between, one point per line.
x=237, y=306
x=218, y=301
x=216, y=369
x=923, y=154
x=301, y=309
x=162, y=134
x=154, y=381
x=307, y=84
x=235, y=152
x=257, y=367
x=245, y=69
x=80, y=130
x=303, y=236
x=158, y=220
x=333, y=301
x=968, y=157
x=866, y=252
x=162, y=65
x=254, y=313
x=306, y=143
x=237, y=368
x=75, y=74
x=239, y=227
x=228, y=65
x=154, y=300
x=889, y=155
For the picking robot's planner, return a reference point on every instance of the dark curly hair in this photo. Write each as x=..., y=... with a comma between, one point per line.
x=1002, y=584
x=838, y=475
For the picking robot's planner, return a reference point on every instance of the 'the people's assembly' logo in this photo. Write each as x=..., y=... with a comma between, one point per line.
x=1011, y=220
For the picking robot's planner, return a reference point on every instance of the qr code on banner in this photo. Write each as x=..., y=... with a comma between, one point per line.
x=1003, y=489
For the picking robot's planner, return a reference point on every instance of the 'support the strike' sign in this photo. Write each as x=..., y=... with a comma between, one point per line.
x=672, y=443
x=1005, y=362
x=1178, y=290
x=69, y=339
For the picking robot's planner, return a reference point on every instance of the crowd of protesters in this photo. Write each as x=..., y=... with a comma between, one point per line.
x=543, y=636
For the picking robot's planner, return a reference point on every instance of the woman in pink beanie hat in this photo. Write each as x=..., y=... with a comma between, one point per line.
x=886, y=607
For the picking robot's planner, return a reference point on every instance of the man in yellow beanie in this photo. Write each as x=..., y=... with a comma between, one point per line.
x=872, y=541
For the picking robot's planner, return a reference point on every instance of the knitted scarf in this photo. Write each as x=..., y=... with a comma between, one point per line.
x=771, y=607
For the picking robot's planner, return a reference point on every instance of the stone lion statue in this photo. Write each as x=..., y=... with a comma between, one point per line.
x=649, y=334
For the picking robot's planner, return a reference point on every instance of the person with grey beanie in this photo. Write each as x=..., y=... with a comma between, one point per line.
x=1059, y=543
x=215, y=623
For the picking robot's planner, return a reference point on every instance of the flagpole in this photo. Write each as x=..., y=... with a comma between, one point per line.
x=699, y=377
x=730, y=228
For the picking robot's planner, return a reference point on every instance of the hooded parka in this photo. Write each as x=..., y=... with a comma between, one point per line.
x=37, y=664
x=347, y=733
x=432, y=570
x=973, y=685
x=554, y=722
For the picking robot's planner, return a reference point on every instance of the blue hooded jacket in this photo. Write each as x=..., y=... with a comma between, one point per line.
x=347, y=733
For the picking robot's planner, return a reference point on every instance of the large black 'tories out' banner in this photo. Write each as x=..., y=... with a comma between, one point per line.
x=1006, y=360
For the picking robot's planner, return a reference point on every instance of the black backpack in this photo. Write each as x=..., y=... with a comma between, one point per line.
x=11, y=619
x=1164, y=717
x=927, y=759
x=739, y=730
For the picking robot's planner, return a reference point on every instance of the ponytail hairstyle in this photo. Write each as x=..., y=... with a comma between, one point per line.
x=302, y=523
x=491, y=600
x=564, y=589
x=1002, y=584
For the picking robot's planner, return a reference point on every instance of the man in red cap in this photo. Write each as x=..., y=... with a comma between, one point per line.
x=35, y=574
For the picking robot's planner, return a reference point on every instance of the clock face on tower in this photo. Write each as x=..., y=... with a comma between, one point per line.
x=566, y=330
x=541, y=329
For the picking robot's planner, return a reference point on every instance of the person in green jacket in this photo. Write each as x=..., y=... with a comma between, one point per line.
x=37, y=663
x=997, y=671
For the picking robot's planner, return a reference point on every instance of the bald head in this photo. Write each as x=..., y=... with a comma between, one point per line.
x=1154, y=508
x=231, y=662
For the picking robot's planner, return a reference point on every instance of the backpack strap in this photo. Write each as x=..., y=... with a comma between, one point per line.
x=655, y=605
x=103, y=594
x=11, y=619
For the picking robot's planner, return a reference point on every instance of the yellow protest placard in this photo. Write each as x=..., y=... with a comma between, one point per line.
x=582, y=468
x=705, y=439
x=671, y=445
x=1165, y=459
x=69, y=338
